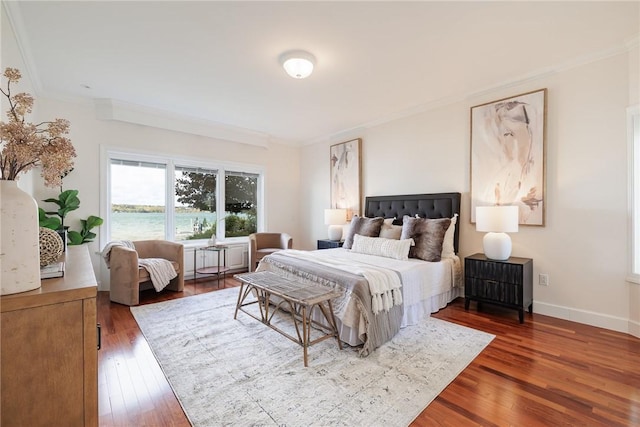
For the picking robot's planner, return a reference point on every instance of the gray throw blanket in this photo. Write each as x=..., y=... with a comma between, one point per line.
x=380, y=328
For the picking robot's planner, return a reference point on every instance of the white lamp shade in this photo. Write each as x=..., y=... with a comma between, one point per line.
x=298, y=64
x=500, y=219
x=335, y=216
x=497, y=221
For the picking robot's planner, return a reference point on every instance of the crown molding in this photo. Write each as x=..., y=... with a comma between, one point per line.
x=539, y=74
x=15, y=20
x=110, y=109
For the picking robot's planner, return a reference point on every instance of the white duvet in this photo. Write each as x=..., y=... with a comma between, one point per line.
x=426, y=286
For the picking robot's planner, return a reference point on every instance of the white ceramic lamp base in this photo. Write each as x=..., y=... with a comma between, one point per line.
x=497, y=246
x=335, y=232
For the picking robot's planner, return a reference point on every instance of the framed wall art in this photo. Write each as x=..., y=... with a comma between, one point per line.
x=508, y=155
x=345, y=176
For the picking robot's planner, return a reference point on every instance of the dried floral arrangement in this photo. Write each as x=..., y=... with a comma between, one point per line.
x=26, y=145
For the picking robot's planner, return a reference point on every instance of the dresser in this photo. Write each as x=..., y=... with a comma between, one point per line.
x=49, y=349
x=507, y=283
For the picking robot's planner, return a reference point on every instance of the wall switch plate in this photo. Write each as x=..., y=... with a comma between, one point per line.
x=543, y=279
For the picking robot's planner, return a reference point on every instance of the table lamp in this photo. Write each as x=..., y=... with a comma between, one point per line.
x=497, y=221
x=335, y=218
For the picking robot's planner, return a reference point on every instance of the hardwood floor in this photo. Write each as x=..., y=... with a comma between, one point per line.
x=545, y=372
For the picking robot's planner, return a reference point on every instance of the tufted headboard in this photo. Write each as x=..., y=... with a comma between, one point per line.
x=437, y=205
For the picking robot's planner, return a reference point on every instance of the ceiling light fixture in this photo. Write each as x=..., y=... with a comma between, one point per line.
x=298, y=64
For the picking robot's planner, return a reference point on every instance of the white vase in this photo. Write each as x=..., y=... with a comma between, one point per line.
x=19, y=240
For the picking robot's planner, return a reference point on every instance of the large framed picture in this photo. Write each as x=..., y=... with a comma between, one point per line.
x=508, y=155
x=345, y=176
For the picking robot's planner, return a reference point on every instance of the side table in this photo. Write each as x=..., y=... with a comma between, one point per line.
x=218, y=270
x=507, y=283
x=328, y=244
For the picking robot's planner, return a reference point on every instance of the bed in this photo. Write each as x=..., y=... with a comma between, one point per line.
x=383, y=290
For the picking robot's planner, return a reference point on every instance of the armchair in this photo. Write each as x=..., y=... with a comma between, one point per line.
x=262, y=244
x=128, y=278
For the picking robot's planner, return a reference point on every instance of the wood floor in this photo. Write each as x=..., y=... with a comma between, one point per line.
x=545, y=372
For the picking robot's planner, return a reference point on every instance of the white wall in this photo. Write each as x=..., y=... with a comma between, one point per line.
x=582, y=247
x=10, y=57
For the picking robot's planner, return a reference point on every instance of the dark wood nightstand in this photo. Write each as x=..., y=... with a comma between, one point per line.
x=328, y=244
x=507, y=283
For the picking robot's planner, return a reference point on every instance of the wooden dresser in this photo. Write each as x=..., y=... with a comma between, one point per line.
x=49, y=350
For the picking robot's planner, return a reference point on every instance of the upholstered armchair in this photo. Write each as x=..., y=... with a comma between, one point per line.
x=262, y=244
x=128, y=278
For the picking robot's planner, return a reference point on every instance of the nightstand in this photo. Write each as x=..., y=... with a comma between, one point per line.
x=507, y=283
x=328, y=244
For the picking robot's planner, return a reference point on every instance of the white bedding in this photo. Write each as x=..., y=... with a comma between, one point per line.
x=426, y=286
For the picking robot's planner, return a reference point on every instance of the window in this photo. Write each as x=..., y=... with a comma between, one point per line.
x=634, y=194
x=149, y=197
x=241, y=202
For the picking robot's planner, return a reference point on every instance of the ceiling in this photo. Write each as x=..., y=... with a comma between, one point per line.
x=218, y=61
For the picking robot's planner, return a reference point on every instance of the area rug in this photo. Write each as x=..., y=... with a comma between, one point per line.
x=240, y=372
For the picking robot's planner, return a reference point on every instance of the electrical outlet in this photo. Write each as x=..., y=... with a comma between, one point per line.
x=543, y=279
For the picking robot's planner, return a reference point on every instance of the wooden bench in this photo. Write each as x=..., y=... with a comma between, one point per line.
x=298, y=298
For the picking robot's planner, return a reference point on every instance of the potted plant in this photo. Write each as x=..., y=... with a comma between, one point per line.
x=68, y=201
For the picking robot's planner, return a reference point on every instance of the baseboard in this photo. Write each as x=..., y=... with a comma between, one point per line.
x=592, y=318
x=634, y=328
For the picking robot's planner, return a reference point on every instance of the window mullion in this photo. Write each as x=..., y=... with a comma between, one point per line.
x=220, y=203
x=170, y=212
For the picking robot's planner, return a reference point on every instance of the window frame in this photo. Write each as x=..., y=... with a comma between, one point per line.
x=633, y=137
x=171, y=161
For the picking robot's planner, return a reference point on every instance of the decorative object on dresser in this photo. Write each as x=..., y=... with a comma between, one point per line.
x=329, y=244
x=25, y=145
x=508, y=155
x=345, y=176
x=335, y=219
x=497, y=221
x=50, y=246
x=50, y=341
x=506, y=283
x=19, y=241
x=68, y=201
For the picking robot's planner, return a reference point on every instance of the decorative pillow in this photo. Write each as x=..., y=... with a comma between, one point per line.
x=448, y=250
x=369, y=227
x=390, y=231
x=428, y=234
x=389, y=248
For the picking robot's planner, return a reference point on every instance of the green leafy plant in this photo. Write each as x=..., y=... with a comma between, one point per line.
x=85, y=235
x=68, y=201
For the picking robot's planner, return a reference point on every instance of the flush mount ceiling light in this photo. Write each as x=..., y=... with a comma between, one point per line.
x=298, y=63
